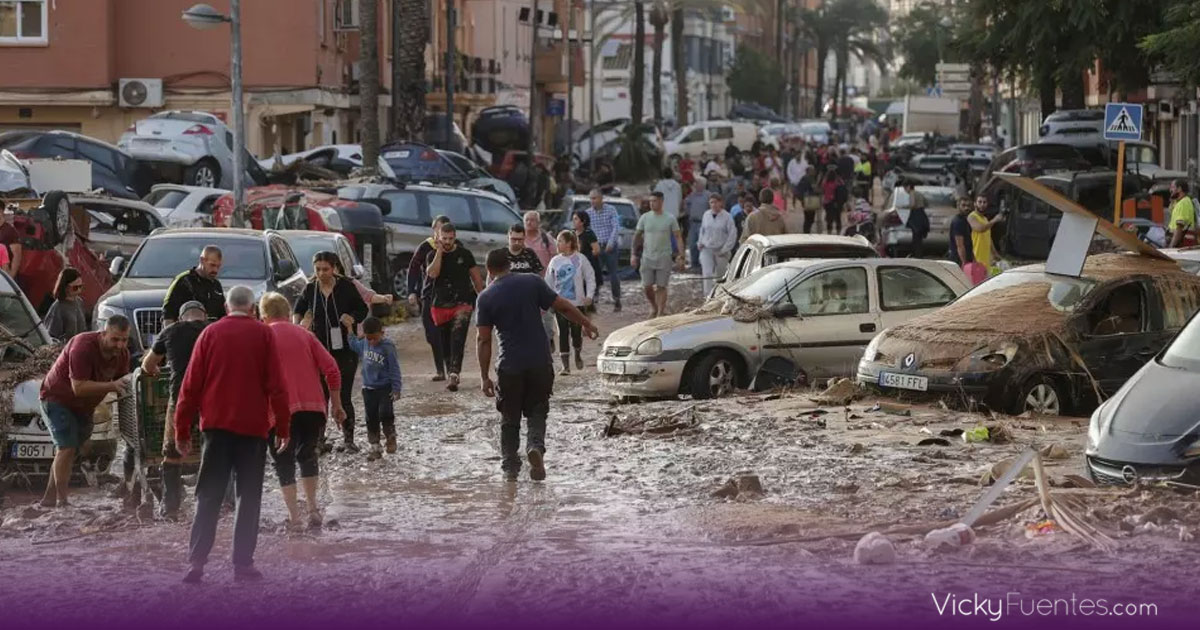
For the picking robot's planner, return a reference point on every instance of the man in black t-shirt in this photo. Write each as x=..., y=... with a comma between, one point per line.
x=455, y=280
x=175, y=344
x=521, y=259
x=199, y=284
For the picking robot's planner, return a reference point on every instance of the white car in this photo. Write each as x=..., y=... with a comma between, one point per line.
x=350, y=154
x=605, y=133
x=712, y=137
x=184, y=206
x=792, y=322
x=194, y=148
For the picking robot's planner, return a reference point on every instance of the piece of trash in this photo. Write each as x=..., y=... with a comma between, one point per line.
x=1160, y=515
x=742, y=487
x=1055, y=451
x=857, y=448
x=950, y=432
x=934, y=441
x=978, y=434
x=957, y=535
x=840, y=393
x=845, y=487
x=818, y=412
x=999, y=434
x=925, y=430
x=999, y=468
x=1040, y=528
x=855, y=416
x=1185, y=534
x=874, y=548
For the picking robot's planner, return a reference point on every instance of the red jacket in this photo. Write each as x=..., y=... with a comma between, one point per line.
x=303, y=361
x=231, y=381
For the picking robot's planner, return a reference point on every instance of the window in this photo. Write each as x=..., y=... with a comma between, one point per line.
x=903, y=288
x=695, y=135
x=279, y=251
x=834, y=292
x=242, y=259
x=404, y=208
x=347, y=256
x=23, y=22
x=100, y=157
x=628, y=215
x=494, y=218
x=165, y=199
x=346, y=17
x=720, y=133
x=741, y=267
x=457, y=208
x=1122, y=312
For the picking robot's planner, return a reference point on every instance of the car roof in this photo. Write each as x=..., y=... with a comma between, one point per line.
x=375, y=189
x=788, y=240
x=577, y=198
x=186, y=188
x=291, y=234
x=818, y=263
x=213, y=232
x=1115, y=266
x=62, y=132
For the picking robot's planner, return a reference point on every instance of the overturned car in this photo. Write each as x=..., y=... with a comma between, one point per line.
x=1028, y=340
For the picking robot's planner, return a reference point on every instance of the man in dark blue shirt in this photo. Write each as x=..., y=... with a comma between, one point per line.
x=513, y=305
x=962, y=249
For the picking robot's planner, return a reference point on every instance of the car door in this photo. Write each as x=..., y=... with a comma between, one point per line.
x=495, y=219
x=291, y=286
x=1122, y=329
x=627, y=219
x=905, y=292
x=836, y=320
x=350, y=261
x=719, y=137
x=692, y=143
x=457, y=208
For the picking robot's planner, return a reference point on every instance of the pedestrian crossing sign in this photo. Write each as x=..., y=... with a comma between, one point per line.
x=1122, y=121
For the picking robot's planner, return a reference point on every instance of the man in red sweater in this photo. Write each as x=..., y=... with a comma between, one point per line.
x=231, y=382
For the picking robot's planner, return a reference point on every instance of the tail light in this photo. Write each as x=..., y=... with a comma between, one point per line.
x=132, y=128
x=198, y=130
x=22, y=155
x=892, y=219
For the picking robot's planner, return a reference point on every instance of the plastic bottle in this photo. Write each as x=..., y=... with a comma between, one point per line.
x=957, y=535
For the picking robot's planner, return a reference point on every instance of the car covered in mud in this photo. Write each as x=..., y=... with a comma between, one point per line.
x=784, y=324
x=25, y=355
x=1028, y=340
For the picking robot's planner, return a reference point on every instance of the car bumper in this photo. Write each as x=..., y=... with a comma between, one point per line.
x=1111, y=472
x=641, y=378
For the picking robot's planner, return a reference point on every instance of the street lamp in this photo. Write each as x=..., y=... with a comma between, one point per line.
x=204, y=17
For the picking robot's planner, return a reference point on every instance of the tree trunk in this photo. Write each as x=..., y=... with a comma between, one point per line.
x=975, y=104
x=1074, y=94
x=679, y=68
x=368, y=87
x=409, y=40
x=1047, y=87
x=637, y=91
x=659, y=20
x=819, y=88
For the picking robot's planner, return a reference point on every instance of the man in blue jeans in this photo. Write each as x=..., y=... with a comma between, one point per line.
x=91, y=366
x=606, y=223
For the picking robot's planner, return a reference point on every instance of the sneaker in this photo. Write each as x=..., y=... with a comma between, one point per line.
x=578, y=361
x=537, y=468
x=566, y=371
x=391, y=444
x=246, y=573
x=194, y=575
x=453, y=386
x=617, y=307
x=439, y=377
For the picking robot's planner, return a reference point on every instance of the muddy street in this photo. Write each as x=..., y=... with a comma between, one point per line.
x=625, y=527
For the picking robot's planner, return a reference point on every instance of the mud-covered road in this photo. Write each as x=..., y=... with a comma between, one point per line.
x=624, y=529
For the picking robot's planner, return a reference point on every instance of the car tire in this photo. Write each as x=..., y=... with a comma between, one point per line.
x=58, y=215
x=205, y=173
x=1041, y=395
x=715, y=374
x=400, y=279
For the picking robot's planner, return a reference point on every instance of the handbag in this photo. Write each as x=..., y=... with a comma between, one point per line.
x=812, y=202
x=975, y=272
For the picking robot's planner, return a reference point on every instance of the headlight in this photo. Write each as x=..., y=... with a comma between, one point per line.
x=988, y=360
x=332, y=219
x=1094, y=429
x=649, y=347
x=872, y=350
x=105, y=312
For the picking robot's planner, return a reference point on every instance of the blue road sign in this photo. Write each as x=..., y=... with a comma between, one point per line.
x=556, y=107
x=1122, y=121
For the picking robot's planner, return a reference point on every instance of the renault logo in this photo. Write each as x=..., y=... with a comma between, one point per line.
x=1129, y=474
x=910, y=360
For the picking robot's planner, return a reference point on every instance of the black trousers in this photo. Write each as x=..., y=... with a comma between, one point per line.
x=454, y=342
x=523, y=393
x=833, y=217
x=347, y=362
x=226, y=453
x=810, y=217
x=307, y=429
x=568, y=332
x=377, y=404
x=433, y=337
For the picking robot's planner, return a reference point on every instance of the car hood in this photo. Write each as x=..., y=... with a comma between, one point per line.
x=132, y=293
x=1152, y=415
x=689, y=329
x=948, y=349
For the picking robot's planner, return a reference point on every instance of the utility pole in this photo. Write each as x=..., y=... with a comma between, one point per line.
x=592, y=87
x=451, y=62
x=570, y=77
x=239, y=115
x=533, y=23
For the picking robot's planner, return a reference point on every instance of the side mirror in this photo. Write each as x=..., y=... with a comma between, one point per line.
x=785, y=309
x=358, y=272
x=117, y=267
x=284, y=269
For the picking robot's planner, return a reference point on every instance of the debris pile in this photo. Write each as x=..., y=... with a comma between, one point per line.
x=743, y=487
x=682, y=420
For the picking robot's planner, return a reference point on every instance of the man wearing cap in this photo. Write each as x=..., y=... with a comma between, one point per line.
x=200, y=284
x=175, y=344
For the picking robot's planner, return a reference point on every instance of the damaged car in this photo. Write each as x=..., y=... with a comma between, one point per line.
x=1028, y=340
x=782, y=325
x=760, y=251
x=1148, y=430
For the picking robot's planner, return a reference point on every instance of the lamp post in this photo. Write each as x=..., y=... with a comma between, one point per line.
x=204, y=17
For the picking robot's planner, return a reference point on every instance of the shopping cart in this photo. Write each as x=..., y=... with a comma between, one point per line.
x=142, y=418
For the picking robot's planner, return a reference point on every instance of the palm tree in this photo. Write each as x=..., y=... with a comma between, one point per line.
x=857, y=23
x=659, y=16
x=637, y=90
x=368, y=87
x=817, y=26
x=409, y=38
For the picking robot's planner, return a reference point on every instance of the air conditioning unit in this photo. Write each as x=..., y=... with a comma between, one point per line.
x=140, y=93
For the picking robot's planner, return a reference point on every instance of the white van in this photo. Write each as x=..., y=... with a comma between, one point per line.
x=710, y=137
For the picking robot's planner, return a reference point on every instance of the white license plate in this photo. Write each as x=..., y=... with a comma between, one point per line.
x=23, y=450
x=904, y=381
x=612, y=367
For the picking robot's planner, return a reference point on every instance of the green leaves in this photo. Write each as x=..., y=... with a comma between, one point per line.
x=755, y=77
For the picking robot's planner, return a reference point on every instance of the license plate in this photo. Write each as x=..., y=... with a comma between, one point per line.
x=23, y=450
x=904, y=381
x=612, y=367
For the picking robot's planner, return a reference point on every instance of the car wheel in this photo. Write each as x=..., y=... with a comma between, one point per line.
x=58, y=215
x=715, y=375
x=400, y=279
x=1042, y=396
x=204, y=173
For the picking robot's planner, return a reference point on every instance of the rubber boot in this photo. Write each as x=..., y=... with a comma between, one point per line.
x=172, y=475
x=566, y=363
x=578, y=360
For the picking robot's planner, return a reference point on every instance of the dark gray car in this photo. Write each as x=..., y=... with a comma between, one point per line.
x=263, y=261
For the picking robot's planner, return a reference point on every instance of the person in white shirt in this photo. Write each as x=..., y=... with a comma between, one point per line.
x=718, y=237
x=795, y=172
x=672, y=193
x=572, y=278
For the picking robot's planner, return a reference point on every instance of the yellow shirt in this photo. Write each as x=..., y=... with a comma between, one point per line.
x=1183, y=211
x=981, y=242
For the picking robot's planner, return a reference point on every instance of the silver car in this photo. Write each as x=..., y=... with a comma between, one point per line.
x=193, y=148
x=116, y=226
x=184, y=206
x=791, y=322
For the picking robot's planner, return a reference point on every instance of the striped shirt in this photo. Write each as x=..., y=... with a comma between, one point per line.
x=606, y=223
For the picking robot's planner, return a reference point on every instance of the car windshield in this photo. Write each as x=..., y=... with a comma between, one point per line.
x=185, y=117
x=815, y=128
x=1184, y=351
x=165, y=199
x=305, y=248
x=166, y=257
x=762, y=284
x=1064, y=293
x=16, y=319
x=678, y=133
